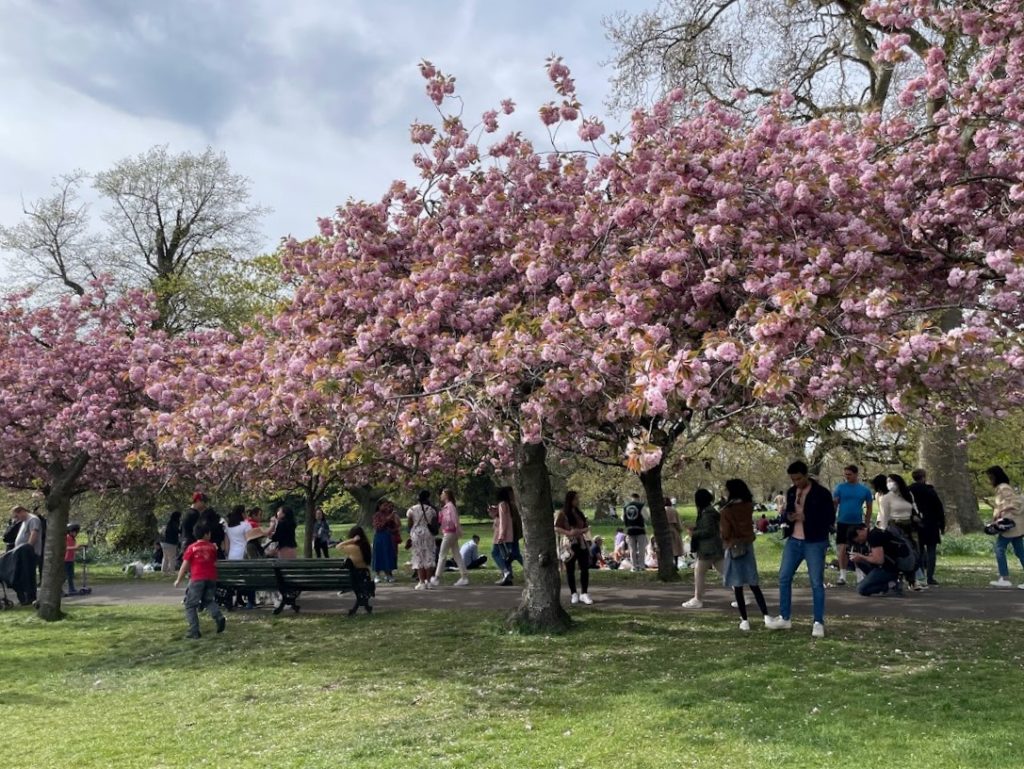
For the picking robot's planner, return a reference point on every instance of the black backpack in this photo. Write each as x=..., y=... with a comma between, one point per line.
x=906, y=554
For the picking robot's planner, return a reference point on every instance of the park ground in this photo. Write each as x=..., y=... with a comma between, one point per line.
x=433, y=679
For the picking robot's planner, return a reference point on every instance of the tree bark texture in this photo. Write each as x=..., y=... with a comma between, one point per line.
x=58, y=503
x=943, y=456
x=655, y=492
x=540, y=609
x=368, y=497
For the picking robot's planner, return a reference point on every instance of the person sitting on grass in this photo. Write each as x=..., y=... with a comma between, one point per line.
x=596, y=556
x=470, y=555
x=199, y=561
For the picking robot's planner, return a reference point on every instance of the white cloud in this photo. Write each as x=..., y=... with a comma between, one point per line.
x=310, y=100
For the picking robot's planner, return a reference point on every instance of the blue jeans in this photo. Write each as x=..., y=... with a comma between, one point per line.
x=502, y=554
x=795, y=552
x=876, y=581
x=1001, y=544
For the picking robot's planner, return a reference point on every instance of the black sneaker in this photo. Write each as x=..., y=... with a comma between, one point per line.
x=192, y=637
x=221, y=623
x=932, y=583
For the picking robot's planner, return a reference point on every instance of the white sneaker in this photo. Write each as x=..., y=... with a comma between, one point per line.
x=376, y=580
x=745, y=625
x=1020, y=586
x=585, y=598
x=574, y=598
x=777, y=623
x=434, y=582
x=817, y=630
x=462, y=582
x=734, y=605
x=768, y=620
x=693, y=603
x=1001, y=582
x=420, y=586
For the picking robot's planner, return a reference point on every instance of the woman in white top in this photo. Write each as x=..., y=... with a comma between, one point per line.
x=1006, y=505
x=897, y=509
x=237, y=528
x=451, y=530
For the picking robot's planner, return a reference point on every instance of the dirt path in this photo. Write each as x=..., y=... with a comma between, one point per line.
x=937, y=603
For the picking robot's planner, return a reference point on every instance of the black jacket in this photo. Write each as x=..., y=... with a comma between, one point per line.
x=933, y=514
x=18, y=570
x=819, y=512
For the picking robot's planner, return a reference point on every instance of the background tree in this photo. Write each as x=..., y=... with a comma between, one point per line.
x=181, y=225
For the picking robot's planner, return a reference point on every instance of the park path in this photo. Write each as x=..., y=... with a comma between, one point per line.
x=950, y=603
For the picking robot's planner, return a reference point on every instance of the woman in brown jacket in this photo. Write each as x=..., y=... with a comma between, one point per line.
x=737, y=527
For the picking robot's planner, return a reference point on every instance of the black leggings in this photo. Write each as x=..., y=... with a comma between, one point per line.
x=741, y=604
x=581, y=558
x=320, y=547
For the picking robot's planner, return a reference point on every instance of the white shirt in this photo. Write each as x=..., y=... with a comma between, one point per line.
x=236, y=540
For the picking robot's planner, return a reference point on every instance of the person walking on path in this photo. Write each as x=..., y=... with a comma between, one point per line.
x=387, y=533
x=200, y=563
x=737, y=530
x=321, y=534
x=810, y=513
x=853, y=507
x=933, y=521
x=421, y=517
x=504, y=534
x=572, y=526
x=1006, y=506
x=451, y=531
x=705, y=545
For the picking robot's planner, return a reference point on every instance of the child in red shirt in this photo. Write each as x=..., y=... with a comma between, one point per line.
x=200, y=561
x=70, y=548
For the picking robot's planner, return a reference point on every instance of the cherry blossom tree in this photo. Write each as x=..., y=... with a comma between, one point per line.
x=71, y=404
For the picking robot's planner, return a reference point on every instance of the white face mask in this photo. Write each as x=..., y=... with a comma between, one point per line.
x=892, y=486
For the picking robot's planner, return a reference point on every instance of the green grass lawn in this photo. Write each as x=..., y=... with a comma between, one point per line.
x=120, y=687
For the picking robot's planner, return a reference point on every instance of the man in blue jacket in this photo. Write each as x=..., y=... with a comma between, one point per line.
x=810, y=513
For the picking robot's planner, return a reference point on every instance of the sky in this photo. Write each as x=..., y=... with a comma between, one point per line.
x=310, y=99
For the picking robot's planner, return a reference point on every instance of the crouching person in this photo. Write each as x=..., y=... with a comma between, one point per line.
x=879, y=564
x=200, y=562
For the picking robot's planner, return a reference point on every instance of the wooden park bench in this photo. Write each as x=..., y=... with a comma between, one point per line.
x=290, y=578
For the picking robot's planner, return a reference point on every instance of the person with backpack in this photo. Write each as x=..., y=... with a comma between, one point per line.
x=881, y=564
x=636, y=531
x=1007, y=510
x=423, y=527
x=901, y=518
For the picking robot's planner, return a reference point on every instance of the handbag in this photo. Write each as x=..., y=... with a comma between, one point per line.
x=564, y=549
x=739, y=550
x=433, y=524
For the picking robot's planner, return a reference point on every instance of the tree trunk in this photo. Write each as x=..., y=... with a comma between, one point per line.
x=943, y=456
x=367, y=497
x=307, y=537
x=540, y=609
x=651, y=479
x=58, y=503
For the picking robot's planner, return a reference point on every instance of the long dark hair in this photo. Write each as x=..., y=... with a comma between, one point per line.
x=289, y=514
x=878, y=484
x=738, y=489
x=571, y=509
x=175, y=518
x=901, y=486
x=702, y=498
x=236, y=515
x=997, y=475
x=363, y=543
